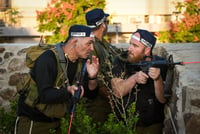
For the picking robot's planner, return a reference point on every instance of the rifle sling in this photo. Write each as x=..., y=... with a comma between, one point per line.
x=62, y=61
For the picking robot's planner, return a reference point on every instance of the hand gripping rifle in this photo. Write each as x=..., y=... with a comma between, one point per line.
x=79, y=83
x=167, y=64
x=77, y=93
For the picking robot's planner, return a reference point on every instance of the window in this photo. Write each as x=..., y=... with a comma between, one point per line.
x=4, y=5
x=146, y=19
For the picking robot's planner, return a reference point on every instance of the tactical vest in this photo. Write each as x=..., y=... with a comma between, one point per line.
x=103, y=50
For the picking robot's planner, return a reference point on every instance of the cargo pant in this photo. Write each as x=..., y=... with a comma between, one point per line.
x=98, y=109
x=152, y=129
x=24, y=125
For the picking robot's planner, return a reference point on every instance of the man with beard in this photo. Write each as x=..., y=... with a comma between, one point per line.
x=134, y=85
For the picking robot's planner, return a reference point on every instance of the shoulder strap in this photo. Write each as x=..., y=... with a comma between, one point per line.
x=62, y=61
x=63, y=64
x=114, y=50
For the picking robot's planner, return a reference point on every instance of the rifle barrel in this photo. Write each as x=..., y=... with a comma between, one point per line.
x=177, y=63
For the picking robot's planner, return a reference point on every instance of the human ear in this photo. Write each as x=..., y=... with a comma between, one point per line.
x=103, y=25
x=147, y=51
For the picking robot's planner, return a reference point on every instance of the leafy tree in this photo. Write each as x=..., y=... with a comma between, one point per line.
x=188, y=28
x=13, y=16
x=61, y=14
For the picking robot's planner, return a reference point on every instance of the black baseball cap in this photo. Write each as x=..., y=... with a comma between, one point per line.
x=95, y=17
x=146, y=38
x=79, y=31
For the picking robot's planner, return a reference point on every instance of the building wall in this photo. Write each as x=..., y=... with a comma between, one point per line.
x=27, y=9
x=128, y=15
x=133, y=10
x=25, y=30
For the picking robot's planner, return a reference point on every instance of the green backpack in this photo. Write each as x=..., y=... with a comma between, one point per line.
x=32, y=53
x=27, y=86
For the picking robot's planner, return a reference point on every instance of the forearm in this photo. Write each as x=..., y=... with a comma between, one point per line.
x=92, y=84
x=52, y=95
x=159, y=89
x=122, y=87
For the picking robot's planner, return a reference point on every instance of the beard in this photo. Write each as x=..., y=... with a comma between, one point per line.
x=133, y=58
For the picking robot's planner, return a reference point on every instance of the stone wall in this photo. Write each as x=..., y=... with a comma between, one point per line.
x=183, y=108
x=11, y=67
x=184, y=105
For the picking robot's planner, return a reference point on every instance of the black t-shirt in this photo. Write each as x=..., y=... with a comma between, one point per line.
x=149, y=108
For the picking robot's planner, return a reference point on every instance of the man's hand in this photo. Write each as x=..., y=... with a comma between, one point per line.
x=154, y=73
x=141, y=77
x=93, y=67
x=117, y=87
x=73, y=88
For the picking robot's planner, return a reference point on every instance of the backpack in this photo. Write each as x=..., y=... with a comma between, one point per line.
x=32, y=53
x=27, y=86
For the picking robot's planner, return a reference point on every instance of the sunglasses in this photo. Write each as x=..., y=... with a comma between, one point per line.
x=106, y=21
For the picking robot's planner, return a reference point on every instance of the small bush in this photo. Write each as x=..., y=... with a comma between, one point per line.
x=7, y=118
x=81, y=123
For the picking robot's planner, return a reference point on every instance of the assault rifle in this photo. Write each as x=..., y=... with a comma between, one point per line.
x=77, y=93
x=145, y=65
x=167, y=64
x=79, y=83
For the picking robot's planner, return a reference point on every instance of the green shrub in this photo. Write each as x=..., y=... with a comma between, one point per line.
x=81, y=123
x=7, y=118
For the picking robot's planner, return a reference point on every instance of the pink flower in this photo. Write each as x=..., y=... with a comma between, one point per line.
x=189, y=1
x=196, y=39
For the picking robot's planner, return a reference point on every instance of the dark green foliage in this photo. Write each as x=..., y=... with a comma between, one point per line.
x=7, y=118
x=81, y=124
x=113, y=126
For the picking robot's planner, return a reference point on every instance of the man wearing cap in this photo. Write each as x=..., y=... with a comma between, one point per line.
x=48, y=81
x=146, y=89
x=97, y=20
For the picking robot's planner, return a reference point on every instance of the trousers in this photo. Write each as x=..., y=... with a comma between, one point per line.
x=26, y=126
x=152, y=129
